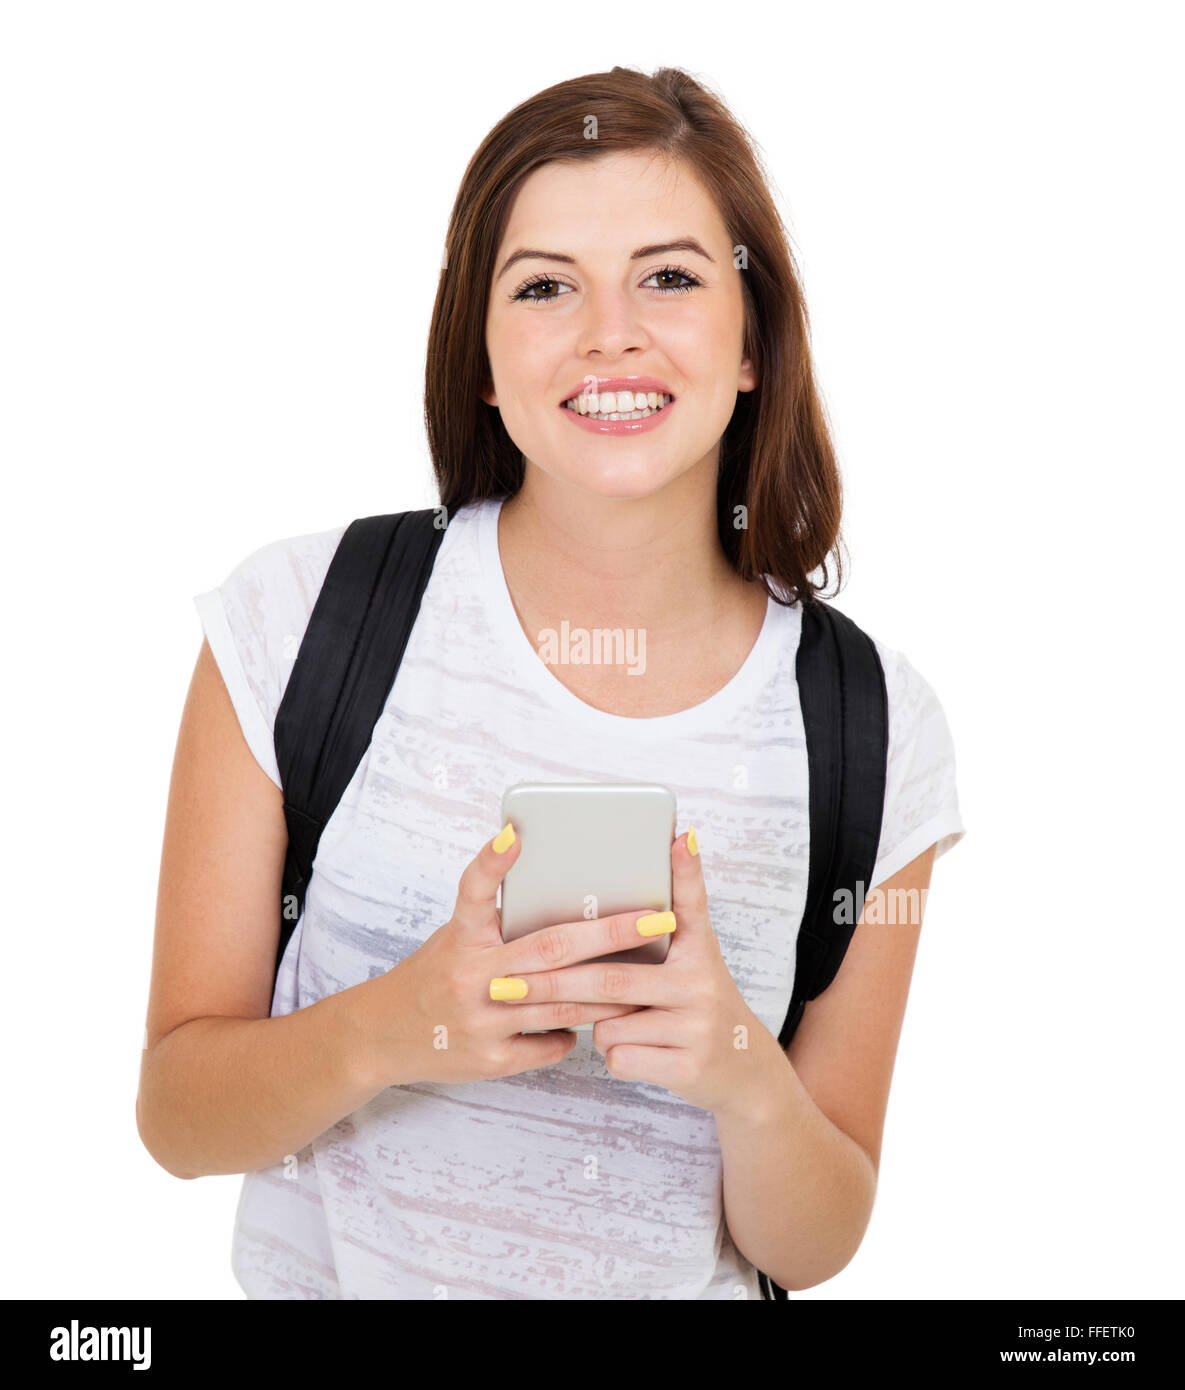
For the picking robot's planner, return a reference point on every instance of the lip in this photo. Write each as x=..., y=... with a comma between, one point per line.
x=651, y=422
x=619, y=383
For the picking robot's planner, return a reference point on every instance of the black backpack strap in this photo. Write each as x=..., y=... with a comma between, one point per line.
x=344, y=671
x=841, y=687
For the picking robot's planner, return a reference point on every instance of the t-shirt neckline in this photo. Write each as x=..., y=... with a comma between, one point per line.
x=714, y=712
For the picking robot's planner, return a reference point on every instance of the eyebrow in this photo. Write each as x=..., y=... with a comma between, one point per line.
x=658, y=249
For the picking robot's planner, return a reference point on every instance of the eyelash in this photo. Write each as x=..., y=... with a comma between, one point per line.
x=521, y=292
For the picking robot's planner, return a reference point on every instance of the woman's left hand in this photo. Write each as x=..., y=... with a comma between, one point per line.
x=697, y=1037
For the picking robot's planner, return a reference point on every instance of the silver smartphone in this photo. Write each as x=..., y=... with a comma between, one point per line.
x=589, y=849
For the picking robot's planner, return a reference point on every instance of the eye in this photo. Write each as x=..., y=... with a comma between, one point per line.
x=542, y=289
x=692, y=282
x=539, y=282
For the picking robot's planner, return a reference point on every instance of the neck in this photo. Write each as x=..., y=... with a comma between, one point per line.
x=655, y=562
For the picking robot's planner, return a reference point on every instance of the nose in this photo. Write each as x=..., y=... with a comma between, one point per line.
x=610, y=325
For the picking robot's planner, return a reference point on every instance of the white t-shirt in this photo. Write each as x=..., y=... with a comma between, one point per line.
x=485, y=1190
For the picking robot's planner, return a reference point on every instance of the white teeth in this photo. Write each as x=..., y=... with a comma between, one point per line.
x=618, y=405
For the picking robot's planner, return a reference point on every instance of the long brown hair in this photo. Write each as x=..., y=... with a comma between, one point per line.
x=779, y=494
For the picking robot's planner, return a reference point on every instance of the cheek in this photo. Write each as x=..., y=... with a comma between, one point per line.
x=526, y=370
x=704, y=334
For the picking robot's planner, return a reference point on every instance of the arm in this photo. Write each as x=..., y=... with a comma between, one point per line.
x=224, y=1088
x=801, y=1148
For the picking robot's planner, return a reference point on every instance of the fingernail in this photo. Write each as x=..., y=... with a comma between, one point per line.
x=504, y=839
x=692, y=842
x=656, y=923
x=508, y=988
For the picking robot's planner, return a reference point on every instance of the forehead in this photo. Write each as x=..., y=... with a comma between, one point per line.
x=603, y=202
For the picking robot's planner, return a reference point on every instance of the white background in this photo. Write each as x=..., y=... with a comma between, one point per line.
x=222, y=231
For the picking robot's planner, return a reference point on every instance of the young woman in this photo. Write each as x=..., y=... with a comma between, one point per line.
x=626, y=434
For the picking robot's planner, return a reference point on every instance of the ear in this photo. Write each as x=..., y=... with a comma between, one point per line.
x=747, y=377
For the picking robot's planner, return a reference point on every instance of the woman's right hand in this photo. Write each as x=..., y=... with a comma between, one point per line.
x=430, y=1017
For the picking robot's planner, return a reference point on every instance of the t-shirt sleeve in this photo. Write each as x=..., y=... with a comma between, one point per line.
x=921, y=797
x=254, y=622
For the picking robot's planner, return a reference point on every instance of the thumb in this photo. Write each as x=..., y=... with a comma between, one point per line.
x=476, y=912
x=689, y=894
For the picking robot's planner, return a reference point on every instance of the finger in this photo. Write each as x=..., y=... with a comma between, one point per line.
x=608, y=982
x=651, y=1027
x=565, y=943
x=476, y=910
x=669, y=1067
x=689, y=894
x=568, y=1015
x=543, y=1050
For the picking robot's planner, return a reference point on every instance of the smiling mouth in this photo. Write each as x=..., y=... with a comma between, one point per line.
x=618, y=405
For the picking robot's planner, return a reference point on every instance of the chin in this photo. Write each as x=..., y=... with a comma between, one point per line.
x=618, y=483
x=632, y=473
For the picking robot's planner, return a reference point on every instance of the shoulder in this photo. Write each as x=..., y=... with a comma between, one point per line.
x=254, y=621
x=913, y=702
x=921, y=793
x=914, y=709
x=284, y=572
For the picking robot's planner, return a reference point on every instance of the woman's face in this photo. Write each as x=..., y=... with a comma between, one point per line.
x=604, y=294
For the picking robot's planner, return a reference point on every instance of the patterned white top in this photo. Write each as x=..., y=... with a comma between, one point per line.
x=562, y=1182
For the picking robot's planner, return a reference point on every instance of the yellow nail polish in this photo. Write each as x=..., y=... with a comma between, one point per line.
x=692, y=842
x=508, y=988
x=504, y=839
x=656, y=923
